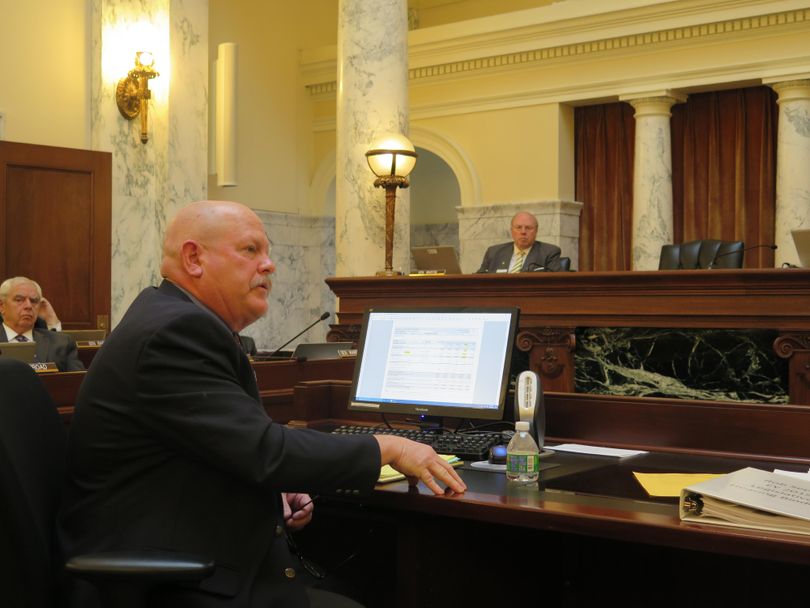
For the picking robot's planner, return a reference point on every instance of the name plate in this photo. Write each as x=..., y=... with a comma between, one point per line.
x=44, y=368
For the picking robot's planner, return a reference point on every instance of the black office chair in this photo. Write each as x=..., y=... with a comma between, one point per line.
x=32, y=461
x=565, y=264
x=707, y=253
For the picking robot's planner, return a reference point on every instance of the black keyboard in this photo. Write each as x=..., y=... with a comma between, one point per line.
x=467, y=446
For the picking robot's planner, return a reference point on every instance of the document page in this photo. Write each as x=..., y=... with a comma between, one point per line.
x=428, y=364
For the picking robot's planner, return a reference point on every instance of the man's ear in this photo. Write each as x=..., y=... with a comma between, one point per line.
x=190, y=258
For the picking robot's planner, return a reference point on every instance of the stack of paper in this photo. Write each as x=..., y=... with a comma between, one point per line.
x=389, y=473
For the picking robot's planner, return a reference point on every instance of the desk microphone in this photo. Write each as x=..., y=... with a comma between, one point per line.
x=307, y=328
x=740, y=251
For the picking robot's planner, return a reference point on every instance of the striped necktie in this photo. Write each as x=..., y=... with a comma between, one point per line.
x=21, y=338
x=519, y=259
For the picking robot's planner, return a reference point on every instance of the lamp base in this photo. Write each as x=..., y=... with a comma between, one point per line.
x=388, y=273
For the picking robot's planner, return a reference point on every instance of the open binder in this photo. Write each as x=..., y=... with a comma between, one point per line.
x=750, y=498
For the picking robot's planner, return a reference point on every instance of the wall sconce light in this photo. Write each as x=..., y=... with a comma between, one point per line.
x=392, y=157
x=132, y=93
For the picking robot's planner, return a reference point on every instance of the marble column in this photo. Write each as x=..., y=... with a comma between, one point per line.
x=372, y=99
x=652, y=178
x=792, y=166
x=149, y=181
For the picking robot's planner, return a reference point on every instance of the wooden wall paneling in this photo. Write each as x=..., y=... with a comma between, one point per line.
x=55, y=226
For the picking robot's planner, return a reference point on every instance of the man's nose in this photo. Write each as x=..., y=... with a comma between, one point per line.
x=267, y=267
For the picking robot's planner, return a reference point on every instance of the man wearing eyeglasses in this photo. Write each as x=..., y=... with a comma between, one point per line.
x=21, y=305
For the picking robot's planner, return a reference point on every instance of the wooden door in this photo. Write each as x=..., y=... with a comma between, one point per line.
x=55, y=227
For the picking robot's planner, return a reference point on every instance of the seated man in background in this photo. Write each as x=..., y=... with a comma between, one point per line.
x=21, y=303
x=170, y=447
x=523, y=253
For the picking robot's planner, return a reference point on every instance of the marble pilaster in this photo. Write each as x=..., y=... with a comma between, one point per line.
x=481, y=227
x=303, y=250
x=652, y=178
x=149, y=181
x=372, y=99
x=792, y=163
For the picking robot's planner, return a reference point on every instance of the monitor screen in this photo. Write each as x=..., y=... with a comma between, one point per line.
x=435, y=362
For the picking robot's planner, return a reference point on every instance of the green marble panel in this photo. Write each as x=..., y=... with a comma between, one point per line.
x=705, y=364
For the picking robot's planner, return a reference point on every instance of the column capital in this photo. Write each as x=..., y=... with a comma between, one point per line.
x=654, y=103
x=790, y=90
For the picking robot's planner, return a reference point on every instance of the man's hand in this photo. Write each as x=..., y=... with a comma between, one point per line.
x=419, y=462
x=47, y=313
x=297, y=510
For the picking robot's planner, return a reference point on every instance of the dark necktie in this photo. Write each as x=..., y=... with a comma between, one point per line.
x=21, y=338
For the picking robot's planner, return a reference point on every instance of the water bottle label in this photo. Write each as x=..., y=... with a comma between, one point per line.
x=522, y=463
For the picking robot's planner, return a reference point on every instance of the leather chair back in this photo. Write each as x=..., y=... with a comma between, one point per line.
x=565, y=264
x=32, y=456
x=32, y=471
x=707, y=253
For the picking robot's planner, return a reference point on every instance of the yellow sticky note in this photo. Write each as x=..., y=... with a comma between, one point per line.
x=670, y=484
x=389, y=473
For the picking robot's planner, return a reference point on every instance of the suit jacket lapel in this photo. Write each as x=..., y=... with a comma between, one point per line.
x=534, y=257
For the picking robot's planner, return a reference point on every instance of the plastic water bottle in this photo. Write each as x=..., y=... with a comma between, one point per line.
x=522, y=456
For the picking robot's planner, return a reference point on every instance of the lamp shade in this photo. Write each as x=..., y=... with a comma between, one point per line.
x=391, y=154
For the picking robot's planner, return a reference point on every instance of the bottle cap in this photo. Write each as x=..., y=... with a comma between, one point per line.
x=523, y=425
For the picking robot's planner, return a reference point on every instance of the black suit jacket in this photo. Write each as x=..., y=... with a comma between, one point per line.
x=170, y=448
x=541, y=255
x=54, y=347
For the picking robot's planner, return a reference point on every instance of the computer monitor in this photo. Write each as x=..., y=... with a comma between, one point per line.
x=448, y=362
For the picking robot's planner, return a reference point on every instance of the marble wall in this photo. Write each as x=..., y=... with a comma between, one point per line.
x=303, y=249
x=704, y=364
x=423, y=235
x=149, y=181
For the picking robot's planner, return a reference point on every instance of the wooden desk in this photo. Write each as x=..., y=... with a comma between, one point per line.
x=588, y=530
x=537, y=546
x=552, y=305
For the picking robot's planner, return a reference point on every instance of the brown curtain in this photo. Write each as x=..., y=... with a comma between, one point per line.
x=724, y=169
x=604, y=137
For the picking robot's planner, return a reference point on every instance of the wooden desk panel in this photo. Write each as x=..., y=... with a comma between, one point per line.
x=744, y=299
x=276, y=380
x=768, y=433
x=554, y=304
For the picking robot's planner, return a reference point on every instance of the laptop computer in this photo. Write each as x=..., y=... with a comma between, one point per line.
x=436, y=257
x=314, y=351
x=801, y=238
x=21, y=351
